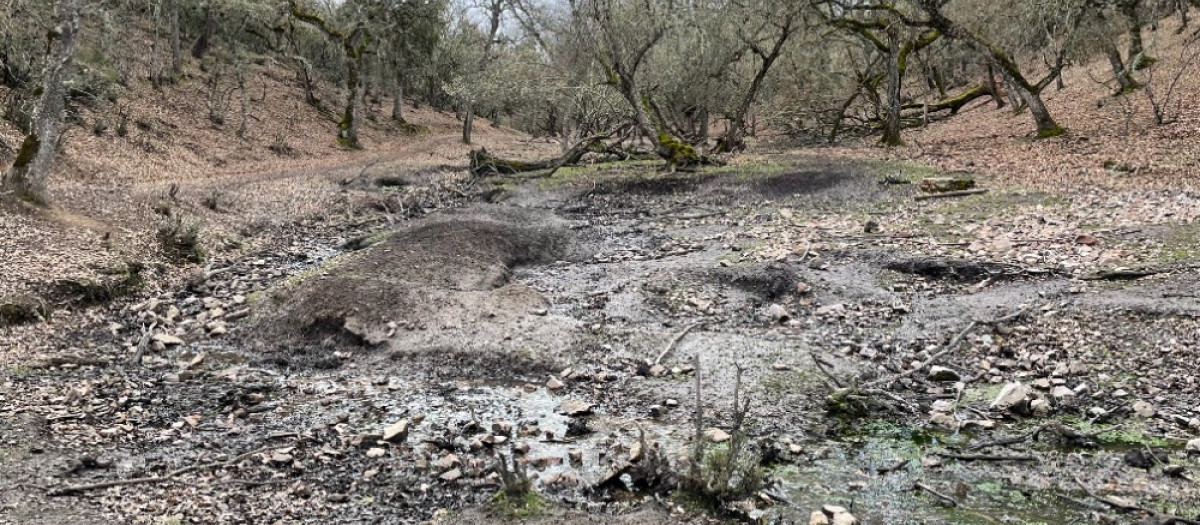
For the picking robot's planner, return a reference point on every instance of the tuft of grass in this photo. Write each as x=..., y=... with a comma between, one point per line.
x=521, y=506
x=180, y=239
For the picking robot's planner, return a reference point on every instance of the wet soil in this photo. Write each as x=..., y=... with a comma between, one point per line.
x=533, y=322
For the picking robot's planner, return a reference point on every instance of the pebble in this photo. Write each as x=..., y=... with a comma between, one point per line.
x=717, y=435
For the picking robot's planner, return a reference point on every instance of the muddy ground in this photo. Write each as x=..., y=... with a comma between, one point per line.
x=523, y=319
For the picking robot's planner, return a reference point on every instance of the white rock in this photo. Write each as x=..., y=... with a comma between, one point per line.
x=1010, y=395
x=818, y=518
x=1143, y=409
x=167, y=339
x=1040, y=407
x=717, y=435
x=1062, y=395
x=396, y=432
x=1193, y=447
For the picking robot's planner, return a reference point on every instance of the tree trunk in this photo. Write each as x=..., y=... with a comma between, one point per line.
x=204, y=41
x=176, y=51
x=28, y=177
x=891, y=126
x=398, y=101
x=243, y=126
x=1132, y=11
x=348, y=127
x=704, y=125
x=1121, y=71
x=993, y=87
x=468, y=123
x=1046, y=126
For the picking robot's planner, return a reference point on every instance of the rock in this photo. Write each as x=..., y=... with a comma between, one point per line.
x=1174, y=471
x=818, y=518
x=575, y=456
x=1012, y=395
x=941, y=373
x=376, y=452
x=447, y=462
x=554, y=384
x=839, y=515
x=658, y=371
x=931, y=461
x=1040, y=407
x=451, y=475
x=1062, y=395
x=777, y=313
x=1143, y=409
x=1193, y=447
x=944, y=420
x=167, y=340
x=671, y=402
x=717, y=435
x=396, y=432
x=780, y=367
x=575, y=407
x=1042, y=384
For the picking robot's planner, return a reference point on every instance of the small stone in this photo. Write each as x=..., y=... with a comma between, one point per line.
x=781, y=367
x=376, y=452
x=1193, y=447
x=1040, y=407
x=943, y=374
x=575, y=407
x=944, y=420
x=1062, y=395
x=1174, y=471
x=167, y=340
x=1010, y=396
x=931, y=461
x=777, y=313
x=671, y=402
x=575, y=456
x=658, y=371
x=717, y=435
x=1042, y=384
x=451, y=475
x=447, y=462
x=1143, y=409
x=554, y=384
x=818, y=518
x=396, y=432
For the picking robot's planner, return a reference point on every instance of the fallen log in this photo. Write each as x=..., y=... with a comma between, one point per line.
x=946, y=184
x=962, y=193
x=484, y=163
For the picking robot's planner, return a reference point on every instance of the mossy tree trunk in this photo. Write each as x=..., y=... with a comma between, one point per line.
x=28, y=177
x=1029, y=92
x=354, y=45
x=1121, y=71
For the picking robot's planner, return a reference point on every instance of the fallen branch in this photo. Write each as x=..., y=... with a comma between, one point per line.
x=944, y=499
x=1125, y=506
x=887, y=381
x=985, y=457
x=675, y=341
x=947, y=194
x=170, y=476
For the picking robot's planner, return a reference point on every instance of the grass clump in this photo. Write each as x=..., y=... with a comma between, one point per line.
x=180, y=239
x=517, y=499
x=722, y=473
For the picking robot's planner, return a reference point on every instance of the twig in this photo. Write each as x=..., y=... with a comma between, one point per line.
x=675, y=341
x=170, y=476
x=985, y=457
x=962, y=193
x=1009, y=441
x=821, y=368
x=944, y=499
x=883, y=383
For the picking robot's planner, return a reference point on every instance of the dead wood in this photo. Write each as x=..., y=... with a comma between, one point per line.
x=942, y=498
x=947, y=194
x=986, y=457
x=170, y=476
x=675, y=342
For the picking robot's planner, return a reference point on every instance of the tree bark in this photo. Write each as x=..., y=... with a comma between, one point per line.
x=891, y=126
x=733, y=139
x=176, y=51
x=28, y=177
x=1121, y=71
x=204, y=41
x=354, y=47
x=468, y=123
x=398, y=101
x=993, y=87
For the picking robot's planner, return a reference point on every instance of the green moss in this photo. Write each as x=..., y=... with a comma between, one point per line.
x=1051, y=132
x=28, y=151
x=675, y=151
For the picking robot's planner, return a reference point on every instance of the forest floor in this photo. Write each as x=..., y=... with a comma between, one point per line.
x=523, y=316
